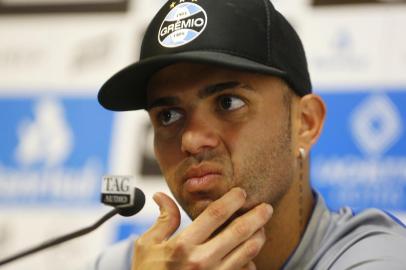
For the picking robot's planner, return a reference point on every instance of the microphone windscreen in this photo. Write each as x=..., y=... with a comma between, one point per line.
x=139, y=202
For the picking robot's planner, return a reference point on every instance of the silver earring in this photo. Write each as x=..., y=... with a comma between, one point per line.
x=302, y=153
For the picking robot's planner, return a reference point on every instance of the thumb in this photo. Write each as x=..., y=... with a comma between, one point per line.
x=167, y=222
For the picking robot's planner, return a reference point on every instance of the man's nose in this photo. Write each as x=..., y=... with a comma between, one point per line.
x=198, y=135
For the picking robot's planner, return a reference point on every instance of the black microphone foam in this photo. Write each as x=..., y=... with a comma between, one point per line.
x=138, y=204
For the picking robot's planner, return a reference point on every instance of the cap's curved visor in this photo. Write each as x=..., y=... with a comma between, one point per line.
x=126, y=90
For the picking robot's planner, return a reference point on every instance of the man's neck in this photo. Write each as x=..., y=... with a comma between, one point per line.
x=287, y=225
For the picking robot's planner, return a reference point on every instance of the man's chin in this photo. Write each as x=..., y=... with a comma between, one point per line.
x=197, y=208
x=195, y=204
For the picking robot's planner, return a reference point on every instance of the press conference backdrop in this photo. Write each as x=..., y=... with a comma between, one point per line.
x=56, y=142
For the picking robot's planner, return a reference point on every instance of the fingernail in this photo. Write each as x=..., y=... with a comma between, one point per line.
x=244, y=193
x=155, y=196
x=241, y=190
x=269, y=209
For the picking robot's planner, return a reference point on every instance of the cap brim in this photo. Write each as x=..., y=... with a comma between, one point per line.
x=126, y=90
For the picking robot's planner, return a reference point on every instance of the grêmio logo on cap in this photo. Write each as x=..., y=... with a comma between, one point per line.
x=184, y=23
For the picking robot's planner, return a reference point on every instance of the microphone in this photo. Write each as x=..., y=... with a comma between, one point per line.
x=117, y=191
x=120, y=192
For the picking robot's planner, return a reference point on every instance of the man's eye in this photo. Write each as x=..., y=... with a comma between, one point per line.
x=229, y=103
x=168, y=117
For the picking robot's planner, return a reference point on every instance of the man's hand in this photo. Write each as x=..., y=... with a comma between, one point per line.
x=194, y=248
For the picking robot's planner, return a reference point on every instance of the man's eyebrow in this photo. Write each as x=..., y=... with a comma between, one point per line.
x=219, y=87
x=203, y=93
x=163, y=101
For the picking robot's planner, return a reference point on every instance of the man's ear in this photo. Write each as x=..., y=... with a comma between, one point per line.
x=312, y=112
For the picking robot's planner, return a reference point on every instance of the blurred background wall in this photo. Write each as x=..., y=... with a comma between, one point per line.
x=56, y=142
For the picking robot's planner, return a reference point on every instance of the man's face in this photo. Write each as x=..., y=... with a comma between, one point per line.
x=216, y=129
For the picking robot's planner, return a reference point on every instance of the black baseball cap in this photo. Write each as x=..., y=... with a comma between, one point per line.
x=247, y=35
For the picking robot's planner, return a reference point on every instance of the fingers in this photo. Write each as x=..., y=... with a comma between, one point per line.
x=241, y=257
x=239, y=231
x=167, y=222
x=216, y=214
x=234, y=247
x=249, y=266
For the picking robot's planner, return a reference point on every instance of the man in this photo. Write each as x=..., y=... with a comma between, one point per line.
x=226, y=85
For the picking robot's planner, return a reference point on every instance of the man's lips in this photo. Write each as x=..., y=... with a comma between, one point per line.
x=201, y=179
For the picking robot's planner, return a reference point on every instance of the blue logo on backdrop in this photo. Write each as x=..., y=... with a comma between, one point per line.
x=53, y=151
x=365, y=166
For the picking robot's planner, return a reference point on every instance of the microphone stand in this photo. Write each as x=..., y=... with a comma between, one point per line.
x=61, y=239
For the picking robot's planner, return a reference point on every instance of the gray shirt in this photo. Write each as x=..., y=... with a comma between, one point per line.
x=369, y=240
